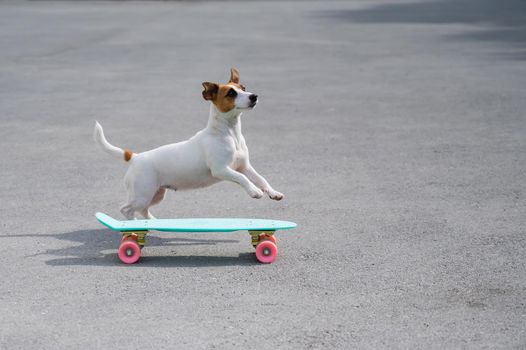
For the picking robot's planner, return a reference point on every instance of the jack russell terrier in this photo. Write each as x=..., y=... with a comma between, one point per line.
x=218, y=152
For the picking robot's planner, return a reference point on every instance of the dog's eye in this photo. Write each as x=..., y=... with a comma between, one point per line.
x=242, y=87
x=231, y=93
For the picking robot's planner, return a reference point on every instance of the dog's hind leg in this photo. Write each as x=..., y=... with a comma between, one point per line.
x=146, y=214
x=137, y=205
x=141, y=186
x=128, y=211
x=157, y=198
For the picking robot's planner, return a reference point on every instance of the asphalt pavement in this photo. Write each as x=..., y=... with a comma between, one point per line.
x=395, y=129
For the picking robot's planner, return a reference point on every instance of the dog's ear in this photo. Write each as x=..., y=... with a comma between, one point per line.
x=210, y=90
x=234, y=76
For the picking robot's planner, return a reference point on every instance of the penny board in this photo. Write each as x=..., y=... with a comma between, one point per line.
x=194, y=224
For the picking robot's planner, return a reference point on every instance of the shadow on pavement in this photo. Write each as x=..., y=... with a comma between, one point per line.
x=95, y=242
x=499, y=21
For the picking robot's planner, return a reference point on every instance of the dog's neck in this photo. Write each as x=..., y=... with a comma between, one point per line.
x=224, y=122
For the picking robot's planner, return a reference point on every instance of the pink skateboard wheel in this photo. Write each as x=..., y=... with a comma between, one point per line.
x=129, y=252
x=266, y=251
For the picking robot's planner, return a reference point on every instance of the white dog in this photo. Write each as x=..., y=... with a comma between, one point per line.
x=218, y=152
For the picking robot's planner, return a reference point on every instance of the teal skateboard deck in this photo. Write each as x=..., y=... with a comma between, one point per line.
x=134, y=232
x=194, y=225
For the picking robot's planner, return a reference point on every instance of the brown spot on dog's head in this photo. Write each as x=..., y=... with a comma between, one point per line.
x=223, y=96
x=225, y=99
x=210, y=90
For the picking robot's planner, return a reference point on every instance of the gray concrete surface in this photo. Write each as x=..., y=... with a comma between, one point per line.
x=395, y=129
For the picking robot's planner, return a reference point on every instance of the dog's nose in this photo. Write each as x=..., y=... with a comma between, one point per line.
x=253, y=98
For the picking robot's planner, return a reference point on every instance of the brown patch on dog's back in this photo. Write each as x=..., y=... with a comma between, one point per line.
x=127, y=155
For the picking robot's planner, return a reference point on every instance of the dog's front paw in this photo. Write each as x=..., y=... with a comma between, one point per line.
x=255, y=192
x=275, y=195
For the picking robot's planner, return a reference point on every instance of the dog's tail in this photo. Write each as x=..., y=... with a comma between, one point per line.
x=98, y=136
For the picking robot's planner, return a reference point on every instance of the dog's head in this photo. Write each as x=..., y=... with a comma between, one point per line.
x=229, y=96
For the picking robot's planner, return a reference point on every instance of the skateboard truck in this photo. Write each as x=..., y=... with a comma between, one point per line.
x=137, y=236
x=258, y=236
